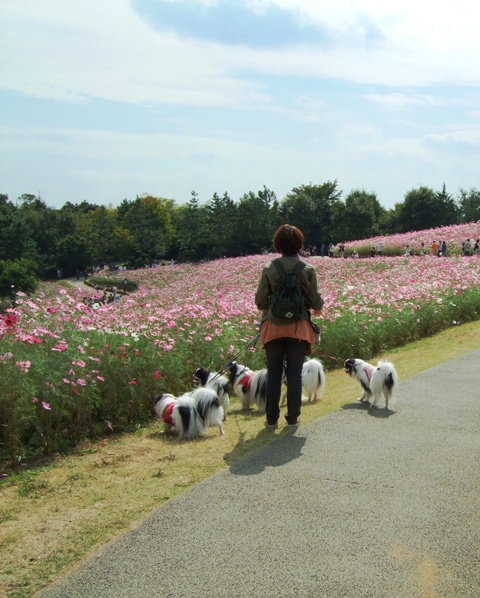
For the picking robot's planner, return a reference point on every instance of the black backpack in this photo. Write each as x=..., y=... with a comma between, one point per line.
x=287, y=301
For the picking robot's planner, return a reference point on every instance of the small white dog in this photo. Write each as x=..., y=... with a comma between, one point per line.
x=209, y=409
x=214, y=380
x=375, y=381
x=179, y=415
x=313, y=381
x=249, y=386
x=191, y=414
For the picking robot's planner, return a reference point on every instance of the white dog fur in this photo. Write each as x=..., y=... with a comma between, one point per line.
x=217, y=382
x=313, y=381
x=249, y=386
x=191, y=414
x=377, y=382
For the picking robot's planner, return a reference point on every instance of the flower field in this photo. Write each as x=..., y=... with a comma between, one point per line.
x=70, y=371
x=454, y=236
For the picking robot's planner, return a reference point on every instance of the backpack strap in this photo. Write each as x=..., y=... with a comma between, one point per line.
x=281, y=270
x=279, y=266
x=299, y=267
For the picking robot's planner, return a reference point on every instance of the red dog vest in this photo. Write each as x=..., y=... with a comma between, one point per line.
x=167, y=414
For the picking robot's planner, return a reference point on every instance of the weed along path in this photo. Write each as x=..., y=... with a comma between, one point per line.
x=361, y=503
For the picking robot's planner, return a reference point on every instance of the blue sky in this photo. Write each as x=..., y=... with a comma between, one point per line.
x=102, y=100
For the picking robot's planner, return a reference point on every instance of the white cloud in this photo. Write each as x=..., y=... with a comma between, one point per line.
x=85, y=48
x=396, y=101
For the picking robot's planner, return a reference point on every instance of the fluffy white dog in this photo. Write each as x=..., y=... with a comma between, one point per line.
x=179, y=415
x=376, y=382
x=249, y=386
x=215, y=381
x=313, y=381
x=191, y=414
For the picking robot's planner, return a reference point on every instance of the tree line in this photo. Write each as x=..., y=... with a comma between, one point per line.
x=41, y=240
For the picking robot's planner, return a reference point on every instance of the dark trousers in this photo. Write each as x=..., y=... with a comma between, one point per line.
x=292, y=351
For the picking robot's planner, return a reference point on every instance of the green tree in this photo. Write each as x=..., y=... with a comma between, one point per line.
x=423, y=208
x=469, y=205
x=221, y=224
x=97, y=227
x=447, y=208
x=360, y=217
x=17, y=275
x=149, y=221
x=73, y=255
x=191, y=228
x=314, y=209
x=258, y=217
x=15, y=235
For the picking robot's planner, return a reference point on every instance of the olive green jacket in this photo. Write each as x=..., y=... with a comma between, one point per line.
x=271, y=278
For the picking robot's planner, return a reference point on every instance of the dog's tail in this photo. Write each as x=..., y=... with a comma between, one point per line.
x=187, y=420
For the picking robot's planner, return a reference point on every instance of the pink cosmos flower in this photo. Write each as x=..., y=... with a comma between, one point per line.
x=61, y=346
x=34, y=400
x=132, y=382
x=156, y=375
x=46, y=406
x=79, y=362
x=81, y=382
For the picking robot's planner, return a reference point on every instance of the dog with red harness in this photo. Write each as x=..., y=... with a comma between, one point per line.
x=191, y=414
x=376, y=381
x=249, y=386
x=179, y=415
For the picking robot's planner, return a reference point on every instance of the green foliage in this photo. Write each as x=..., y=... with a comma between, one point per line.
x=469, y=205
x=423, y=208
x=150, y=229
x=361, y=215
x=350, y=336
x=18, y=275
x=315, y=209
x=73, y=254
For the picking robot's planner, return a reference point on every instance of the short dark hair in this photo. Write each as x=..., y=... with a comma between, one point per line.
x=288, y=239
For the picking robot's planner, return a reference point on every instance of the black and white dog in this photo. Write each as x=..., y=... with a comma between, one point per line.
x=375, y=381
x=313, y=381
x=215, y=381
x=179, y=415
x=191, y=414
x=249, y=386
x=209, y=409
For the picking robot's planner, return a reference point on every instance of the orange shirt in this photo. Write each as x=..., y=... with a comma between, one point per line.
x=301, y=330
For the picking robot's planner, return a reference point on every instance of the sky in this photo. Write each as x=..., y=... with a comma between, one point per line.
x=106, y=100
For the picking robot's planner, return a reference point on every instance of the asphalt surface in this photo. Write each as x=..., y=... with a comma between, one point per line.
x=360, y=503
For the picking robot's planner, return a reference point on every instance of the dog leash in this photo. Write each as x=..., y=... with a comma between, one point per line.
x=329, y=356
x=223, y=369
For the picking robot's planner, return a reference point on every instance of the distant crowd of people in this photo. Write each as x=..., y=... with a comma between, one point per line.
x=438, y=248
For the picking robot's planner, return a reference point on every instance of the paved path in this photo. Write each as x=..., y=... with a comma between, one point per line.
x=354, y=505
